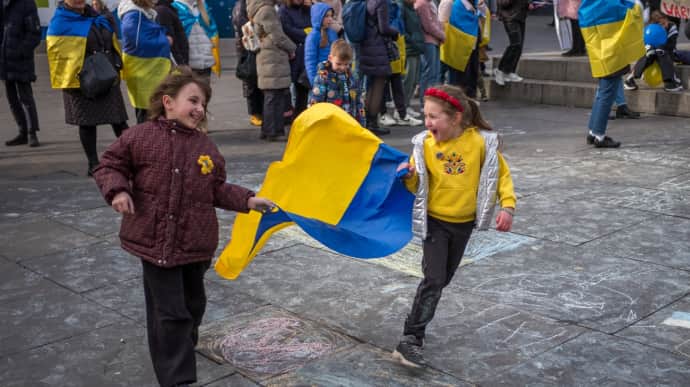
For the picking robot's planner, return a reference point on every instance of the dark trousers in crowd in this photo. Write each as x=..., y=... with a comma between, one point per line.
x=516, y=37
x=375, y=89
x=276, y=102
x=395, y=86
x=89, y=135
x=204, y=73
x=21, y=100
x=254, y=97
x=443, y=249
x=301, y=99
x=668, y=70
x=175, y=305
x=467, y=79
x=142, y=115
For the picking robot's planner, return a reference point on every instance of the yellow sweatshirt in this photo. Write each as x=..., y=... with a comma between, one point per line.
x=454, y=167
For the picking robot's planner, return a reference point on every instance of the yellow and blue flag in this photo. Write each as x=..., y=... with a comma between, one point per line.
x=66, y=45
x=338, y=182
x=145, y=56
x=461, y=36
x=189, y=17
x=613, y=33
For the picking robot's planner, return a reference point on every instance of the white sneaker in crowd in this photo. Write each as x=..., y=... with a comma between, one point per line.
x=412, y=113
x=386, y=120
x=407, y=121
x=499, y=77
x=513, y=77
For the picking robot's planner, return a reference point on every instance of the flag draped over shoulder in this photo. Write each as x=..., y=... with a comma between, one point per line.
x=188, y=18
x=145, y=56
x=613, y=32
x=66, y=45
x=338, y=182
x=461, y=36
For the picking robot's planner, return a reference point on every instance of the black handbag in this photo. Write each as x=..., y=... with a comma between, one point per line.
x=98, y=74
x=392, y=50
x=246, y=68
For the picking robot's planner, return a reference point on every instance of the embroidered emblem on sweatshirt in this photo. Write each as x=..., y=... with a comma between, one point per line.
x=452, y=163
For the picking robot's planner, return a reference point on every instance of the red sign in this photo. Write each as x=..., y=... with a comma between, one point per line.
x=676, y=8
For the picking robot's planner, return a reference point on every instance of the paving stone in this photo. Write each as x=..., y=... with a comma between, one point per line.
x=49, y=196
x=658, y=154
x=664, y=240
x=97, y=221
x=234, y=380
x=87, y=268
x=363, y=365
x=115, y=355
x=661, y=331
x=38, y=237
x=574, y=284
x=268, y=341
x=597, y=359
x=678, y=183
x=37, y=312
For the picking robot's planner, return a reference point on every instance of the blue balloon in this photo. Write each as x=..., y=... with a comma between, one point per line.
x=654, y=35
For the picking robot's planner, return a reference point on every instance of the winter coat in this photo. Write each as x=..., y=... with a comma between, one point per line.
x=160, y=164
x=373, y=59
x=19, y=36
x=340, y=89
x=313, y=52
x=168, y=18
x=568, y=9
x=513, y=10
x=414, y=35
x=428, y=17
x=296, y=21
x=105, y=109
x=272, y=60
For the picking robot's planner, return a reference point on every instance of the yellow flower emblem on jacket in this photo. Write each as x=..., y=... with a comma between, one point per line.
x=206, y=164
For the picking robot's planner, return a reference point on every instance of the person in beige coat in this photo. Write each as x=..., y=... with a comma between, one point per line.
x=272, y=66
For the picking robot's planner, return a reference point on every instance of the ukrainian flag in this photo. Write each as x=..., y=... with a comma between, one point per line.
x=613, y=32
x=66, y=46
x=338, y=182
x=461, y=36
x=187, y=18
x=146, y=57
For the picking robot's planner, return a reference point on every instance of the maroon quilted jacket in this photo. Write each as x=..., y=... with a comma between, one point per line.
x=158, y=163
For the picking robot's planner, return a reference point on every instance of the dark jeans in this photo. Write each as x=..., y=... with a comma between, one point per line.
x=21, y=100
x=254, y=97
x=467, y=79
x=443, y=247
x=275, y=103
x=175, y=305
x=516, y=37
x=142, y=115
x=88, y=136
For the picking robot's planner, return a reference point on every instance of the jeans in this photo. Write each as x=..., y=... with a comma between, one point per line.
x=603, y=101
x=275, y=103
x=431, y=69
x=511, y=56
x=620, y=95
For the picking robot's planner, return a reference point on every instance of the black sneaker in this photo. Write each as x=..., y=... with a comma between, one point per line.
x=629, y=84
x=590, y=139
x=21, y=139
x=623, y=111
x=607, y=142
x=672, y=87
x=409, y=352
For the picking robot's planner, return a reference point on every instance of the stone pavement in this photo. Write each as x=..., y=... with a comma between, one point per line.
x=592, y=287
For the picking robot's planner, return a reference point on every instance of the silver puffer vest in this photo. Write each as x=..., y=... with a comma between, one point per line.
x=486, y=194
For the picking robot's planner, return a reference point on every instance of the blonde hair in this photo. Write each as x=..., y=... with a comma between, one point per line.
x=342, y=50
x=178, y=78
x=471, y=116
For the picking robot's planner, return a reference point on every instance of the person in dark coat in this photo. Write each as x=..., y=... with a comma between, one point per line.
x=374, y=61
x=167, y=17
x=88, y=113
x=296, y=21
x=19, y=36
x=414, y=49
x=513, y=14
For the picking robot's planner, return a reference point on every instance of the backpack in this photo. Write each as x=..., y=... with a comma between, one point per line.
x=355, y=20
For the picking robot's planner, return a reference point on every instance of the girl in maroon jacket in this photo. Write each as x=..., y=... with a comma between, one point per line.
x=166, y=176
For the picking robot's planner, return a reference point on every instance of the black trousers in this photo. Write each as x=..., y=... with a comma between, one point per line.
x=375, y=89
x=254, y=97
x=516, y=37
x=394, y=86
x=668, y=70
x=467, y=79
x=142, y=115
x=443, y=249
x=175, y=305
x=88, y=135
x=275, y=104
x=301, y=99
x=21, y=100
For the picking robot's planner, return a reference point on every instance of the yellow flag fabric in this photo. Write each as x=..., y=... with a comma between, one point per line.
x=398, y=66
x=486, y=30
x=613, y=33
x=216, y=55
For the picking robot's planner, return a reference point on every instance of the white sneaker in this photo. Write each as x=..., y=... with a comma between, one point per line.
x=386, y=120
x=513, y=77
x=499, y=77
x=408, y=121
x=412, y=113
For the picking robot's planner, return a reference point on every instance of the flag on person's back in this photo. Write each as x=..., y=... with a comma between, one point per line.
x=461, y=36
x=338, y=182
x=613, y=33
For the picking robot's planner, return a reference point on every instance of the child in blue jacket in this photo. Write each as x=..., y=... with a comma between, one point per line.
x=318, y=43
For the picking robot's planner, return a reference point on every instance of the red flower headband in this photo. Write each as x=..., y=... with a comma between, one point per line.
x=440, y=94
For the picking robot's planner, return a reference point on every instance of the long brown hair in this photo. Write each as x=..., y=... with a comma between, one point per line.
x=178, y=78
x=471, y=116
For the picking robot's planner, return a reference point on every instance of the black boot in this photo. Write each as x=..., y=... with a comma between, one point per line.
x=33, y=139
x=623, y=111
x=21, y=139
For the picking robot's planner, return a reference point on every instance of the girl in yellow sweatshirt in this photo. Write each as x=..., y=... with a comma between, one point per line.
x=458, y=175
